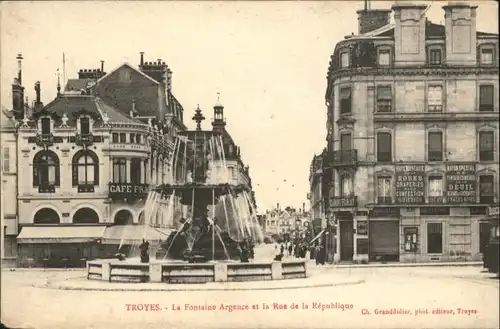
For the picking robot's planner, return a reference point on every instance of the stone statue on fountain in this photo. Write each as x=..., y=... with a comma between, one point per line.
x=144, y=251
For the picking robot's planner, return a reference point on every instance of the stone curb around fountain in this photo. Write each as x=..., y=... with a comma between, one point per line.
x=316, y=281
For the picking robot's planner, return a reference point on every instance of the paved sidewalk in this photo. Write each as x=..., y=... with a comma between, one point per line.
x=314, y=280
x=371, y=265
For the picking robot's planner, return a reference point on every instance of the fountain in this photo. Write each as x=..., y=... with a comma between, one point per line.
x=214, y=225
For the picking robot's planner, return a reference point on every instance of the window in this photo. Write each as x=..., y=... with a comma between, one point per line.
x=85, y=168
x=6, y=159
x=486, y=98
x=435, y=189
x=345, y=100
x=45, y=126
x=344, y=59
x=486, y=189
x=115, y=137
x=434, y=238
x=435, y=149
x=384, y=57
x=486, y=56
x=384, y=99
x=85, y=126
x=486, y=145
x=384, y=190
x=46, y=169
x=138, y=139
x=345, y=142
x=435, y=57
x=119, y=170
x=123, y=138
x=135, y=171
x=384, y=147
x=435, y=99
x=346, y=187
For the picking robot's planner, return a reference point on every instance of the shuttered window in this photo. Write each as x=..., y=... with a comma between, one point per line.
x=486, y=99
x=434, y=238
x=384, y=147
x=435, y=149
x=486, y=145
x=384, y=99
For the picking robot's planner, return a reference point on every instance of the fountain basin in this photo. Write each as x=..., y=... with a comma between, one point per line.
x=182, y=272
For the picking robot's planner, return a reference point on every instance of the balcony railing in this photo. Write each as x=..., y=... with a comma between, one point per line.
x=344, y=201
x=47, y=188
x=86, y=188
x=84, y=139
x=384, y=200
x=344, y=157
x=436, y=200
x=45, y=139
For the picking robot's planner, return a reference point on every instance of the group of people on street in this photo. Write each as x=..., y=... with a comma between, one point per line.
x=300, y=249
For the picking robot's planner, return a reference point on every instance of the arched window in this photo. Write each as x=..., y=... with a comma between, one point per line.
x=46, y=169
x=85, y=216
x=46, y=216
x=85, y=168
x=124, y=217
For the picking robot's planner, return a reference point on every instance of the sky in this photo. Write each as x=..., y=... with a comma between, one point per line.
x=268, y=60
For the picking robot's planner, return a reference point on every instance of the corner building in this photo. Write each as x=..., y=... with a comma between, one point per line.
x=413, y=136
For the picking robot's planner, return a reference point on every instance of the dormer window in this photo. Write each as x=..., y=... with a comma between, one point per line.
x=45, y=126
x=487, y=56
x=344, y=59
x=384, y=57
x=435, y=56
x=85, y=125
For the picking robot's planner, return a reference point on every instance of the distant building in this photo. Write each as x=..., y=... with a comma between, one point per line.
x=413, y=136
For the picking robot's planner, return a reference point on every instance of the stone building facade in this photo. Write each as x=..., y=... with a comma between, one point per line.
x=413, y=137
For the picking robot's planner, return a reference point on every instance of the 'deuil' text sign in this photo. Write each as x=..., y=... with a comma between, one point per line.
x=461, y=183
x=410, y=184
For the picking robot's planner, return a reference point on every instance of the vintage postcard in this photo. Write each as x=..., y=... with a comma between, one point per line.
x=249, y=164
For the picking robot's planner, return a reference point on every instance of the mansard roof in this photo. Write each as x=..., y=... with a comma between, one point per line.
x=75, y=105
x=432, y=30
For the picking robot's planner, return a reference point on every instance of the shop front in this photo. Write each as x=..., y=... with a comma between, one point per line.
x=383, y=235
x=58, y=246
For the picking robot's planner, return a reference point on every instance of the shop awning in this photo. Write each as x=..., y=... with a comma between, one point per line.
x=133, y=234
x=317, y=236
x=60, y=234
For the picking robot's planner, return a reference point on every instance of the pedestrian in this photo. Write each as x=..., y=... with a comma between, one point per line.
x=290, y=248
x=316, y=254
x=276, y=246
x=282, y=248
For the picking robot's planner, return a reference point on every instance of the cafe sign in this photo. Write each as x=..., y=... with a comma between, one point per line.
x=128, y=190
x=410, y=184
x=461, y=183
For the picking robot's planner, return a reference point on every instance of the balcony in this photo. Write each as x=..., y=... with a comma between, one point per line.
x=86, y=188
x=384, y=200
x=440, y=116
x=344, y=201
x=47, y=188
x=45, y=140
x=84, y=139
x=436, y=200
x=344, y=158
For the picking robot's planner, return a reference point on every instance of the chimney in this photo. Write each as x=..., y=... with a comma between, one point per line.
x=409, y=33
x=460, y=29
x=37, y=91
x=142, y=58
x=169, y=79
x=372, y=19
x=20, y=68
x=18, y=92
x=102, y=67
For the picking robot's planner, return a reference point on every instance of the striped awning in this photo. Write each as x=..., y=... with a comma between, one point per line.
x=60, y=234
x=133, y=234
